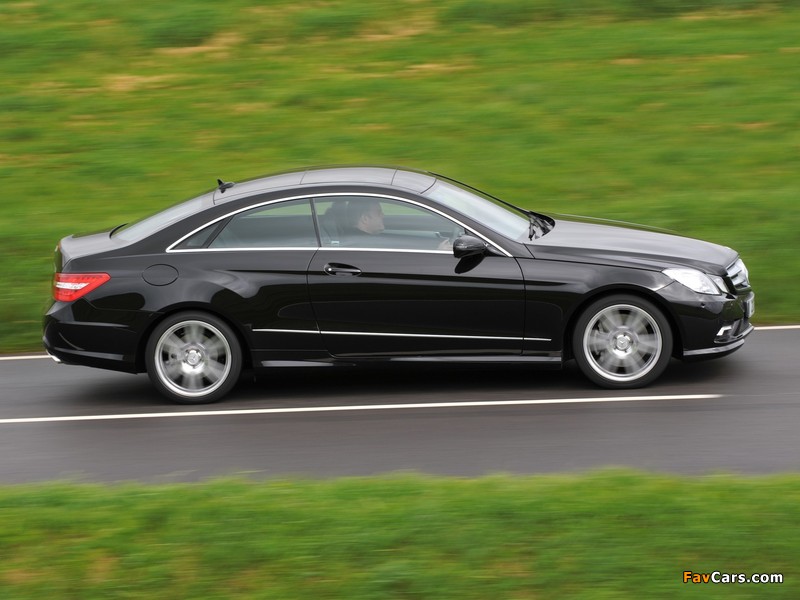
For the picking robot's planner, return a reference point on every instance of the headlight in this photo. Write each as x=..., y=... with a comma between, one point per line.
x=697, y=281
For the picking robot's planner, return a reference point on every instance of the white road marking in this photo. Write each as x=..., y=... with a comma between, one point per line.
x=322, y=409
x=24, y=357
x=777, y=327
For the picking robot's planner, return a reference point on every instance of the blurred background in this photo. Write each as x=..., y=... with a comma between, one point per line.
x=682, y=114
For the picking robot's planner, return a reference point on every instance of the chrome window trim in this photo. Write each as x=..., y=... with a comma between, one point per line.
x=312, y=249
x=244, y=249
x=398, y=250
x=310, y=197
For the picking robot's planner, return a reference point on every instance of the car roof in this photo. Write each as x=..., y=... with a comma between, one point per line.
x=393, y=177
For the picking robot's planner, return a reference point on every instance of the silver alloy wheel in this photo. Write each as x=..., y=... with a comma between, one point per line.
x=192, y=358
x=622, y=343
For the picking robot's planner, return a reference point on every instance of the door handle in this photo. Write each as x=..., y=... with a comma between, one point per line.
x=338, y=269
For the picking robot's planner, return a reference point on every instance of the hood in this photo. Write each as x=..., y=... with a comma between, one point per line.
x=616, y=243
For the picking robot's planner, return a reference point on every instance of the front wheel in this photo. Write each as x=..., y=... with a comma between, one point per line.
x=622, y=341
x=193, y=358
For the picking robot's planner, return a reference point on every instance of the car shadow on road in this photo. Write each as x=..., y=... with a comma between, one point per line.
x=396, y=384
x=406, y=383
x=454, y=383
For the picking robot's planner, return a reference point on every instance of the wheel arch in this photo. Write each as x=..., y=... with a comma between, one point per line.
x=241, y=338
x=641, y=292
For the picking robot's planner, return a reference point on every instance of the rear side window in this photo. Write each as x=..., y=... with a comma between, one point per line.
x=149, y=225
x=282, y=225
x=201, y=238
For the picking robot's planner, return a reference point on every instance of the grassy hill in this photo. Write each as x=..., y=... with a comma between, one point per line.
x=681, y=114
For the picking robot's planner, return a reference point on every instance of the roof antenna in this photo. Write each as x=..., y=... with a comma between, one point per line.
x=224, y=185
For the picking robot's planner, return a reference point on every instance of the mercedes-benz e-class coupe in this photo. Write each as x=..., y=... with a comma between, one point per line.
x=361, y=264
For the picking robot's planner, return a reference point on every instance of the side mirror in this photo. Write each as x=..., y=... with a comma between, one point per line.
x=468, y=245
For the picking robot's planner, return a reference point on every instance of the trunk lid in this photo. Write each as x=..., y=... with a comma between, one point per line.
x=76, y=246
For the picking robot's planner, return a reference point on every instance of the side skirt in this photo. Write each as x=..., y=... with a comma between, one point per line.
x=551, y=360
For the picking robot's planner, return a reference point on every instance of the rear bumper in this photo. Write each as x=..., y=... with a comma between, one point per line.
x=101, y=344
x=113, y=362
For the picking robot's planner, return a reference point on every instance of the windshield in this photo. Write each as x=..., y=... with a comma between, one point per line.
x=482, y=208
x=141, y=229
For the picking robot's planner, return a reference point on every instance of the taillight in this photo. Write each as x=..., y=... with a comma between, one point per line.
x=71, y=286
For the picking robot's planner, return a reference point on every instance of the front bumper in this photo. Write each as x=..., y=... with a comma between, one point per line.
x=720, y=349
x=709, y=326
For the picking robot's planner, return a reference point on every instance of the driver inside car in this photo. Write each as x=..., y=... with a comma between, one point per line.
x=365, y=217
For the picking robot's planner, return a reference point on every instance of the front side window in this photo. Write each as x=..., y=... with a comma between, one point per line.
x=509, y=223
x=282, y=225
x=381, y=223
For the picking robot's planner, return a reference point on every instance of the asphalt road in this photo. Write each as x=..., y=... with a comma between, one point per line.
x=739, y=414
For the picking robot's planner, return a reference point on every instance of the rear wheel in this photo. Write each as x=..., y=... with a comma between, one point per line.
x=193, y=358
x=622, y=341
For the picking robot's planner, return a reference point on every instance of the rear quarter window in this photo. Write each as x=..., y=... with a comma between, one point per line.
x=281, y=225
x=143, y=228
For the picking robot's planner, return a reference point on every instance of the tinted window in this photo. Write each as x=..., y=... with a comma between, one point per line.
x=504, y=221
x=282, y=225
x=368, y=222
x=141, y=229
x=199, y=239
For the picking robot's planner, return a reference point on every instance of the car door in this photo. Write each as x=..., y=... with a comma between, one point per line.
x=252, y=266
x=385, y=282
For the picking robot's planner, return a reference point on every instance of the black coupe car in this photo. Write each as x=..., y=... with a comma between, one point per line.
x=355, y=264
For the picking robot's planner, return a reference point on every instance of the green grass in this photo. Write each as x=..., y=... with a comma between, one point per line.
x=610, y=534
x=677, y=114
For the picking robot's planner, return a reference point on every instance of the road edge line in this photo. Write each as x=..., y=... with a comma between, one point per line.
x=360, y=407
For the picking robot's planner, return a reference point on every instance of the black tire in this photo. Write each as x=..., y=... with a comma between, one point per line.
x=622, y=341
x=193, y=358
